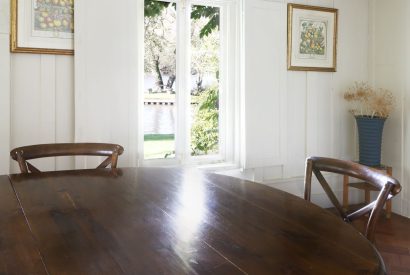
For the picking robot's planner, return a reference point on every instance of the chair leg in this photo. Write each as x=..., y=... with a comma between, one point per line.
x=388, y=209
x=389, y=171
x=345, y=192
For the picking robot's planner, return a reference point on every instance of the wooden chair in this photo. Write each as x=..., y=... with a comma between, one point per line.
x=22, y=154
x=388, y=186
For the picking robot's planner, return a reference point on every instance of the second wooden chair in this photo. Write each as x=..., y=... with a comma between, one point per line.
x=387, y=185
x=22, y=154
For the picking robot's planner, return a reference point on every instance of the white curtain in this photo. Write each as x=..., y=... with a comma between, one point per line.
x=106, y=69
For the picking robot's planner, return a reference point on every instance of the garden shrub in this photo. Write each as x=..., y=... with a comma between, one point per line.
x=204, y=133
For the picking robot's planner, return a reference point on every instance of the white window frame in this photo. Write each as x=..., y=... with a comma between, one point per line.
x=229, y=87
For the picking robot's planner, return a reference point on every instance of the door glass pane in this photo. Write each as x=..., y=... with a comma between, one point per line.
x=205, y=63
x=159, y=79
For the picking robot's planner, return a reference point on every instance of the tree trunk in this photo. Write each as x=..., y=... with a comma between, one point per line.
x=171, y=81
x=159, y=82
x=199, y=87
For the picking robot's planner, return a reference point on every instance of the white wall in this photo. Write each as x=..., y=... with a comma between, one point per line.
x=106, y=73
x=390, y=68
x=36, y=99
x=4, y=86
x=42, y=103
x=314, y=119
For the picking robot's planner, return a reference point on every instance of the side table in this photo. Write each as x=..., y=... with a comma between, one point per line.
x=367, y=188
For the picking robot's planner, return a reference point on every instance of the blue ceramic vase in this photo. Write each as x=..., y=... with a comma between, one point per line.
x=370, y=139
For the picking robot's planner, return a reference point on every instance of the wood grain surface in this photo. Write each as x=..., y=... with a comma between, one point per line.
x=173, y=221
x=18, y=252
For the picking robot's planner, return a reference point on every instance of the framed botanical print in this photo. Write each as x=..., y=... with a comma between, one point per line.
x=312, y=38
x=42, y=26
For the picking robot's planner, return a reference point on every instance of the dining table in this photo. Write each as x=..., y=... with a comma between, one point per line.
x=152, y=220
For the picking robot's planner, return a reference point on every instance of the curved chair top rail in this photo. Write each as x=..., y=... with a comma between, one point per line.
x=356, y=170
x=66, y=149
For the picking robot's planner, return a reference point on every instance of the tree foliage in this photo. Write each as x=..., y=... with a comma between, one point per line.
x=204, y=55
x=205, y=130
x=212, y=15
x=160, y=45
x=153, y=8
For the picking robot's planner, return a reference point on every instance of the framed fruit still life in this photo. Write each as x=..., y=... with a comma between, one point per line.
x=312, y=38
x=42, y=26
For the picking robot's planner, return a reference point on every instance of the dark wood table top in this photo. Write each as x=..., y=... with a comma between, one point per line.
x=18, y=251
x=169, y=221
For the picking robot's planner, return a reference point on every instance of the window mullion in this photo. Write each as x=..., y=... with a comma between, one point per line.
x=183, y=62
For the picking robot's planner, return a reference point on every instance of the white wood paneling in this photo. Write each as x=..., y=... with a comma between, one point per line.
x=25, y=99
x=64, y=106
x=296, y=124
x=47, y=98
x=106, y=74
x=319, y=114
x=4, y=87
x=322, y=3
x=317, y=118
x=309, y=111
x=353, y=59
x=5, y=16
x=31, y=102
x=40, y=112
x=405, y=203
x=389, y=69
x=4, y=103
x=264, y=82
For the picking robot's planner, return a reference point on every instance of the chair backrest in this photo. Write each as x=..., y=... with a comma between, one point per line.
x=388, y=187
x=22, y=154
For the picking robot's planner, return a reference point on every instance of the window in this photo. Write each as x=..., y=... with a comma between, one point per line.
x=189, y=78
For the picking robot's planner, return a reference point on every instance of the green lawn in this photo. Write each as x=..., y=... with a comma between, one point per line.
x=158, y=146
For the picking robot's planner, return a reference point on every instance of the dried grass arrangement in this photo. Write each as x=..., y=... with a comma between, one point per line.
x=369, y=102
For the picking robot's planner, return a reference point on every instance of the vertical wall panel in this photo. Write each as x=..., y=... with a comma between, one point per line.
x=390, y=69
x=353, y=59
x=295, y=120
x=106, y=74
x=321, y=3
x=4, y=16
x=405, y=205
x=64, y=106
x=33, y=102
x=319, y=114
x=296, y=124
x=47, y=98
x=4, y=103
x=4, y=87
x=264, y=82
x=25, y=97
x=42, y=103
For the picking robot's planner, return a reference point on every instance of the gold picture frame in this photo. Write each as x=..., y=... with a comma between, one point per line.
x=42, y=26
x=312, y=38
